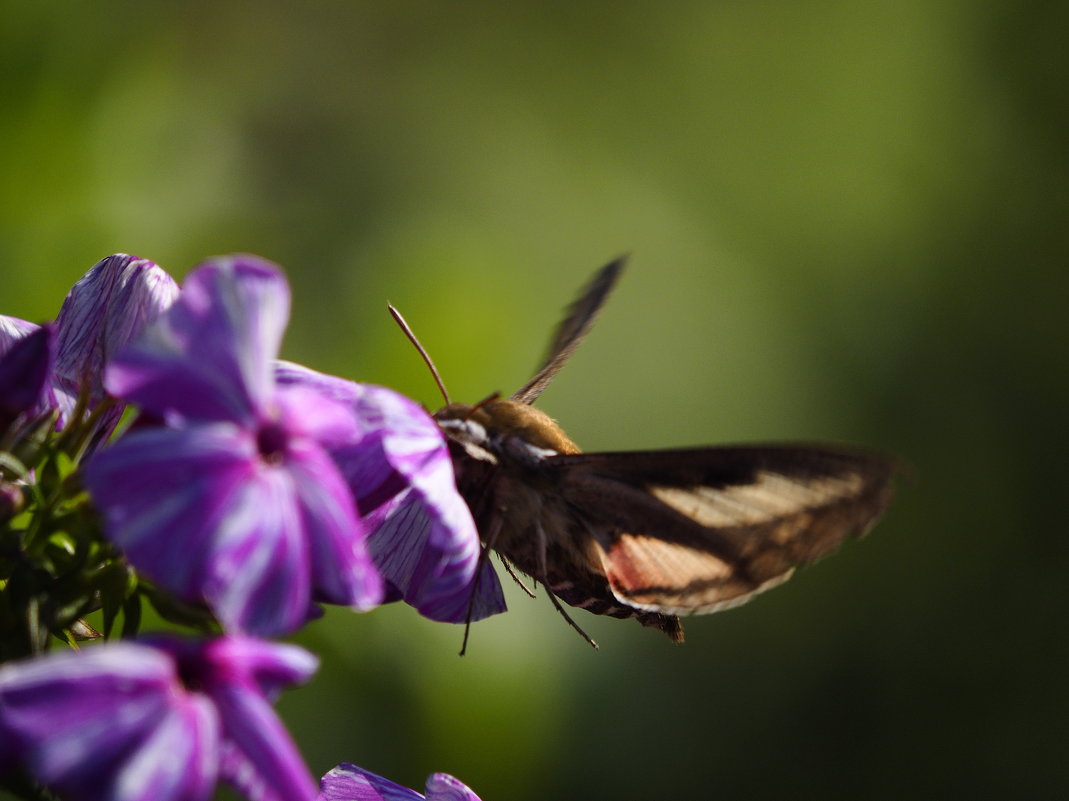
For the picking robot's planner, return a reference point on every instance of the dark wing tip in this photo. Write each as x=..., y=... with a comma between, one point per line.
x=579, y=318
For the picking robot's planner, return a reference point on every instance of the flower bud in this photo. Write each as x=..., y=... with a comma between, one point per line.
x=11, y=500
x=108, y=306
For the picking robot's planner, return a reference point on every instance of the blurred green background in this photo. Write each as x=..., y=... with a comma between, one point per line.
x=847, y=222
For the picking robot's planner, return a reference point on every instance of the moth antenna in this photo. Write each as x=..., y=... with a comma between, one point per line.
x=422, y=351
x=493, y=396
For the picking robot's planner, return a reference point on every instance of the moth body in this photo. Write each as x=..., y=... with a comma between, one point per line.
x=505, y=455
x=650, y=534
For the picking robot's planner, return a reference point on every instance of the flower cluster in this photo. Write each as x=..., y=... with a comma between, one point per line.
x=153, y=449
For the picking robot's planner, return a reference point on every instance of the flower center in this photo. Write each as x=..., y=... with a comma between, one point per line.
x=191, y=676
x=271, y=441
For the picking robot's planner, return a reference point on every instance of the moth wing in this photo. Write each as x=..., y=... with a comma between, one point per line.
x=572, y=329
x=696, y=531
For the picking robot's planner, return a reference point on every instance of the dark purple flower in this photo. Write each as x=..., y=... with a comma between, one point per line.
x=351, y=783
x=423, y=538
x=237, y=501
x=12, y=329
x=161, y=720
x=26, y=365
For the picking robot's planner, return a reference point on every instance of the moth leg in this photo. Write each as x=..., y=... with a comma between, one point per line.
x=509, y=569
x=566, y=616
x=484, y=556
x=498, y=521
x=541, y=548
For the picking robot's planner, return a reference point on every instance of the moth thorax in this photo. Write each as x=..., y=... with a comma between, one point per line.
x=508, y=418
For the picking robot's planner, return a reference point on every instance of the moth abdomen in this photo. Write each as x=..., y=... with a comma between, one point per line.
x=608, y=605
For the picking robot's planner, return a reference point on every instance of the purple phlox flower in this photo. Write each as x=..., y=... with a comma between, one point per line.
x=236, y=501
x=349, y=782
x=26, y=364
x=160, y=720
x=423, y=538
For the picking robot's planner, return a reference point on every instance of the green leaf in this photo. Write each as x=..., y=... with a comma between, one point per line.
x=175, y=611
x=64, y=465
x=131, y=616
x=35, y=631
x=12, y=466
x=116, y=583
x=63, y=541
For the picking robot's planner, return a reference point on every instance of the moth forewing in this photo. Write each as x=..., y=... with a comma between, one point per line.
x=697, y=531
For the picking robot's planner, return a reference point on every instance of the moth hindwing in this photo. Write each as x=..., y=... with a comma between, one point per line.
x=650, y=534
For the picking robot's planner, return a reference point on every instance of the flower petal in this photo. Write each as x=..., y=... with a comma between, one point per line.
x=162, y=493
x=348, y=782
x=59, y=696
x=179, y=760
x=209, y=357
x=92, y=724
x=443, y=787
x=269, y=666
x=342, y=570
x=313, y=412
x=259, y=574
x=26, y=373
x=259, y=758
x=12, y=329
x=422, y=559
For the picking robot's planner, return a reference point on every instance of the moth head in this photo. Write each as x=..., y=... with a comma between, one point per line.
x=506, y=425
x=458, y=423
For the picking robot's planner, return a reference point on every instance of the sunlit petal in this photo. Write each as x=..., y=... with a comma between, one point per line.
x=431, y=569
x=164, y=492
x=342, y=570
x=12, y=329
